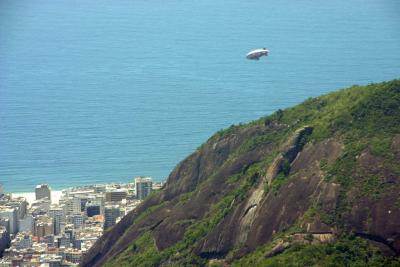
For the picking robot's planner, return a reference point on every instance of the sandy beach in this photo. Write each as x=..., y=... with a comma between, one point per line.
x=30, y=196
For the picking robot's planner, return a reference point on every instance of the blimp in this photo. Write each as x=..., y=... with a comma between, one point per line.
x=256, y=54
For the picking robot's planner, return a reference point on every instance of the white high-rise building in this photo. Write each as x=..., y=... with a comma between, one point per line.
x=20, y=204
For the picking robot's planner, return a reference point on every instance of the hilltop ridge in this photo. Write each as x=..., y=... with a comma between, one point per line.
x=315, y=184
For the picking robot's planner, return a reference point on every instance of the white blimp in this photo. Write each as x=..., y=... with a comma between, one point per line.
x=256, y=54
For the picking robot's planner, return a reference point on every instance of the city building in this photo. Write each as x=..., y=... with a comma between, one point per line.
x=98, y=189
x=11, y=215
x=45, y=234
x=64, y=241
x=49, y=240
x=72, y=205
x=26, y=224
x=42, y=191
x=57, y=214
x=116, y=195
x=4, y=239
x=69, y=232
x=111, y=213
x=144, y=187
x=5, y=222
x=40, y=207
x=77, y=220
x=93, y=209
x=51, y=260
x=22, y=241
x=43, y=226
x=20, y=204
x=73, y=255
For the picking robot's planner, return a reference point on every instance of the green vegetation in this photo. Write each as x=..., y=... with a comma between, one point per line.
x=278, y=182
x=145, y=251
x=357, y=112
x=147, y=212
x=380, y=146
x=347, y=251
x=323, y=164
x=252, y=143
x=372, y=187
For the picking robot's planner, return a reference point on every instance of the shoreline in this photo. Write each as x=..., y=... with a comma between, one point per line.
x=30, y=196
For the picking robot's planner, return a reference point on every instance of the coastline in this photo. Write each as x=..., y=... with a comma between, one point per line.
x=30, y=196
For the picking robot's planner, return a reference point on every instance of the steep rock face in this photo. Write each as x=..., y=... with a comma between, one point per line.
x=235, y=229
x=202, y=163
x=289, y=152
x=307, y=187
x=376, y=216
x=319, y=170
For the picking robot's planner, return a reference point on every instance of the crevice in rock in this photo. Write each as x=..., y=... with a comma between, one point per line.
x=290, y=151
x=212, y=255
x=248, y=209
x=154, y=226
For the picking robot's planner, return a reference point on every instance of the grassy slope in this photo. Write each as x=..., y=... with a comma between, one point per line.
x=361, y=117
x=348, y=251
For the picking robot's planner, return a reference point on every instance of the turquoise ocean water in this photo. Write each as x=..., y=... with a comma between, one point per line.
x=100, y=91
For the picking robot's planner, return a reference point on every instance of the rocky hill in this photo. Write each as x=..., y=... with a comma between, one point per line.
x=316, y=184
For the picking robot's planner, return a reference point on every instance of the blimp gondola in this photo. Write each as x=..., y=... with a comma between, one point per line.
x=256, y=54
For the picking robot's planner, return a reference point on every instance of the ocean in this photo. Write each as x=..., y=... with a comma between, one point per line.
x=103, y=91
